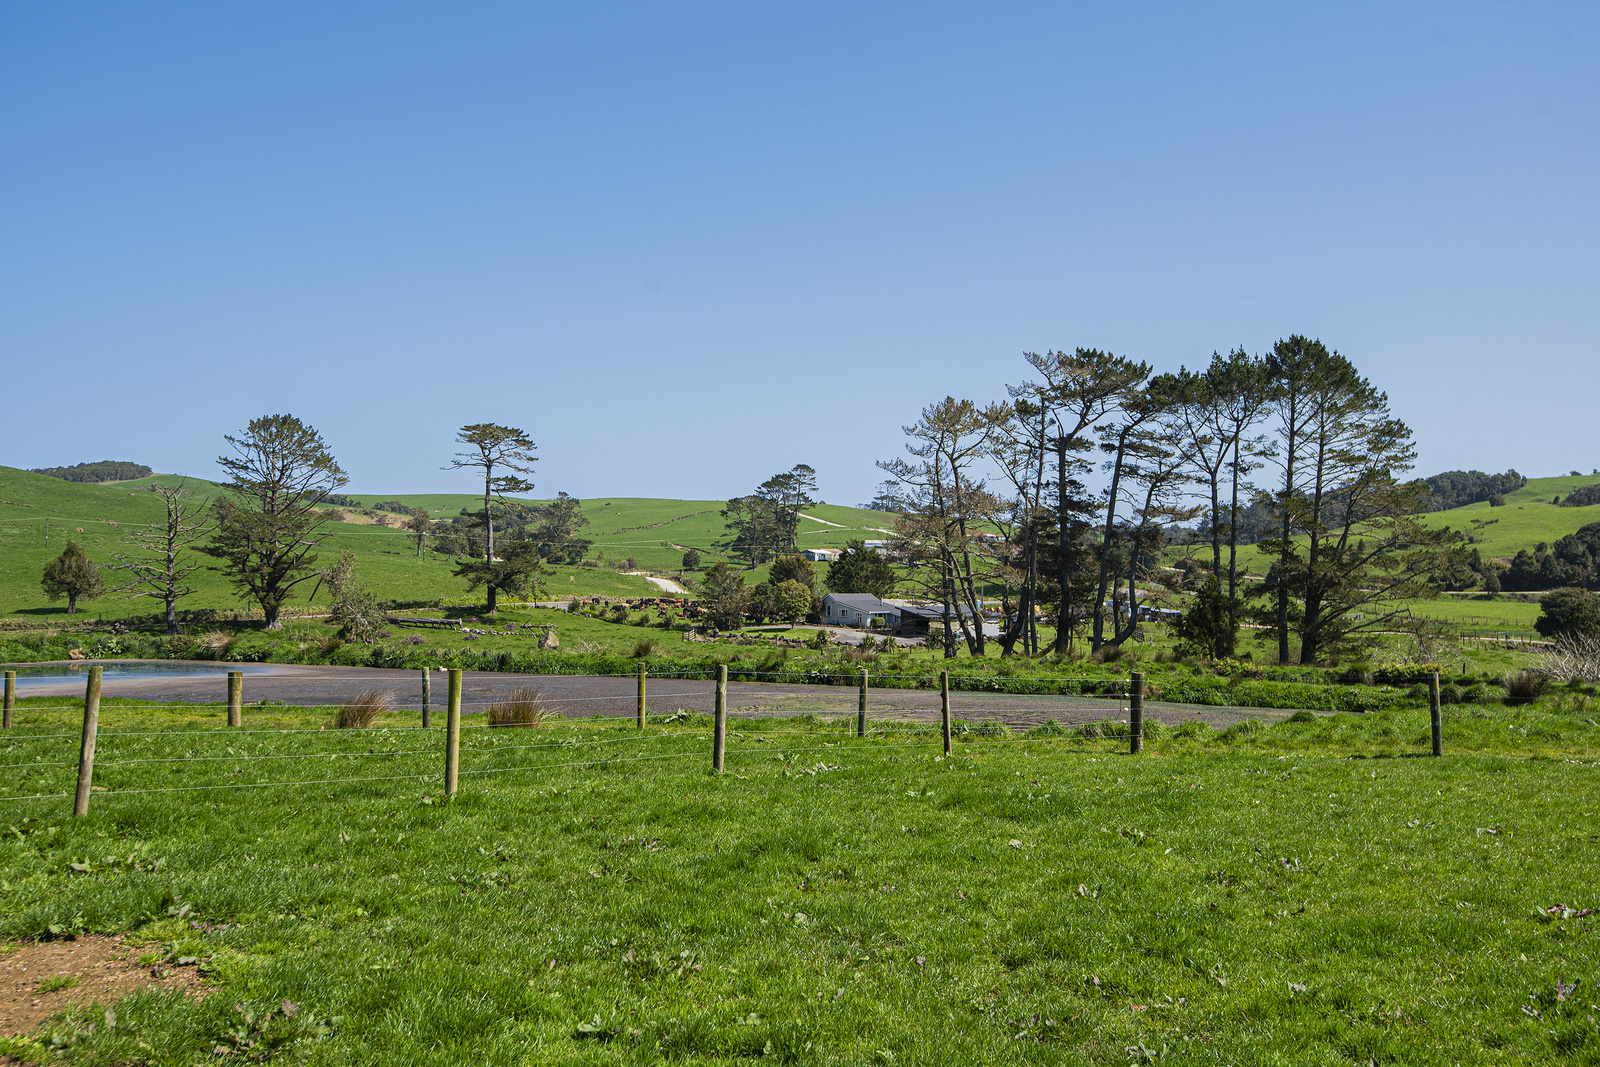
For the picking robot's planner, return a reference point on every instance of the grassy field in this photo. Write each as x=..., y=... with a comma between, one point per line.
x=1251, y=898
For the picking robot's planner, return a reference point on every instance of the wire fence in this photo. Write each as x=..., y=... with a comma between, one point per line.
x=119, y=756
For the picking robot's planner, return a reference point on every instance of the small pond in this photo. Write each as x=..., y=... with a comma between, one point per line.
x=36, y=675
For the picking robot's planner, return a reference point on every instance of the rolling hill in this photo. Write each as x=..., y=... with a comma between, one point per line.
x=38, y=514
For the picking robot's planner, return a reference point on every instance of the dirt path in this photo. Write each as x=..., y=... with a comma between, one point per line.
x=580, y=696
x=666, y=585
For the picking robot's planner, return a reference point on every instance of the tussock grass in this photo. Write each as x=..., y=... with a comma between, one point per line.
x=363, y=709
x=526, y=707
x=1524, y=687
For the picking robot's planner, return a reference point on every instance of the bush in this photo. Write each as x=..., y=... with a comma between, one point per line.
x=1478, y=694
x=358, y=616
x=1568, y=613
x=525, y=708
x=1452, y=694
x=1523, y=687
x=362, y=710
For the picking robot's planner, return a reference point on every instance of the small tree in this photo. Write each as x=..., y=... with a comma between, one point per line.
x=73, y=575
x=790, y=601
x=794, y=568
x=691, y=560
x=725, y=596
x=1569, y=613
x=420, y=526
x=157, y=562
x=860, y=569
x=267, y=525
x=1210, y=627
x=519, y=572
x=491, y=448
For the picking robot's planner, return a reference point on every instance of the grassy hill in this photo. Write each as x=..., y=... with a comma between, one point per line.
x=35, y=507
x=1527, y=518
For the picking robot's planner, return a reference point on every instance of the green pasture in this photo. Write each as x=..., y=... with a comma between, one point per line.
x=34, y=506
x=1297, y=893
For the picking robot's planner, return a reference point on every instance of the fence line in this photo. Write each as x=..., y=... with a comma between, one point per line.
x=903, y=732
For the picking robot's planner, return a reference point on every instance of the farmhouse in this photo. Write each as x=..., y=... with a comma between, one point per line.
x=858, y=609
x=820, y=555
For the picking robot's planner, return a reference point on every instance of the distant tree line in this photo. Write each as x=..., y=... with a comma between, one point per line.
x=106, y=470
x=1454, y=489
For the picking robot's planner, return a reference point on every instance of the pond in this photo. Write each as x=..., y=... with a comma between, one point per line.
x=40, y=675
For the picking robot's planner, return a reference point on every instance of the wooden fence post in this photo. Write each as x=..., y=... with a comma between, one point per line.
x=91, y=726
x=11, y=697
x=861, y=707
x=1136, y=713
x=944, y=708
x=427, y=695
x=719, y=731
x=641, y=694
x=235, y=698
x=1433, y=713
x=452, y=734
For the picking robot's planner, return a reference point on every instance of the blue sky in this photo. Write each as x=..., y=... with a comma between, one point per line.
x=688, y=246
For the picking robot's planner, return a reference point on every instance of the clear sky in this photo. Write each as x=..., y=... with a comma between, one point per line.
x=688, y=246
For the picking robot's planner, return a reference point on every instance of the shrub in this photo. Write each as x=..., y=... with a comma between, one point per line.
x=992, y=729
x=1478, y=694
x=644, y=648
x=1451, y=694
x=362, y=710
x=525, y=708
x=1568, y=613
x=1523, y=687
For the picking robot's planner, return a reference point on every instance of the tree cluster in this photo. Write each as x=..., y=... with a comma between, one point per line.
x=766, y=524
x=106, y=470
x=1574, y=560
x=1582, y=497
x=998, y=494
x=1455, y=489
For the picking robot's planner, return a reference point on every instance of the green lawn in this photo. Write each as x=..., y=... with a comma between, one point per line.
x=1251, y=899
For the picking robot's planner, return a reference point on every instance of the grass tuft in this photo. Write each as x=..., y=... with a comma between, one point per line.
x=525, y=708
x=1524, y=687
x=362, y=710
